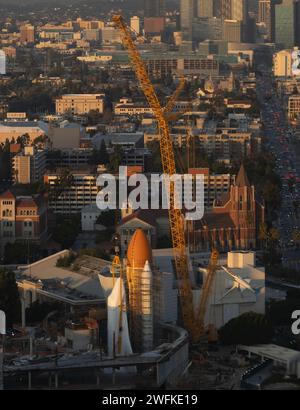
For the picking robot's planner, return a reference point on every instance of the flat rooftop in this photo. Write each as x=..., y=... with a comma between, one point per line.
x=65, y=284
x=273, y=352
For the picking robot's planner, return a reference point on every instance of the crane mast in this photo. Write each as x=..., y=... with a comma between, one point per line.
x=193, y=322
x=168, y=163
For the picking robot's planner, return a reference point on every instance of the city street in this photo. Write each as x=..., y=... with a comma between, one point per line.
x=279, y=140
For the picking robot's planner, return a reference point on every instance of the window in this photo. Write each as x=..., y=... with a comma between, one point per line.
x=241, y=203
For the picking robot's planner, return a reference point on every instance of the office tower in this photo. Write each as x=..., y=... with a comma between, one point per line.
x=282, y=63
x=188, y=11
x=287, y=19
x=29, y=166
x=226, y=9
x=232, y=31
x=135, y=24
x=265, y=16
x=155, y=8
x=205, y=8
x=238, y=10
x=207, y=28
x=27, y=33
x=252, y=6
x=2, y=63
x=233, y=9
x=217, y=8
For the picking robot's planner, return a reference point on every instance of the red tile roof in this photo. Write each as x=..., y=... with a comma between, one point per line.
x=7, y=195
x=149, y=216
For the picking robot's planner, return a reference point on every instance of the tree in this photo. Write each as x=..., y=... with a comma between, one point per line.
x=9, y=296
x=155, y=165
x=107, y=219
x=66, y=230
x=5, y=167
x=104, y=157
x=116, y=159
x=279, y=312
x=248, y=329
x=21, y=252
x=268, y=236
x=296, y=236
x=63, y=182
x=100, y=156
x=66, y=261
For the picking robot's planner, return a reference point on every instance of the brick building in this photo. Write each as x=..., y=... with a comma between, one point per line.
x=22, y=218
x=234, y=220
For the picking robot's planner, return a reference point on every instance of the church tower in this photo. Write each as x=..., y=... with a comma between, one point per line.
x=243, y=210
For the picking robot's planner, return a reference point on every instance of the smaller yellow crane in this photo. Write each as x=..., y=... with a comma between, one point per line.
x=117, y=269
x=207, y=290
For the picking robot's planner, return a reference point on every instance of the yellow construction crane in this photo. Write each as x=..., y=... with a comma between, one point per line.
x=117, y=269
x=207, y=289
x=190, y=319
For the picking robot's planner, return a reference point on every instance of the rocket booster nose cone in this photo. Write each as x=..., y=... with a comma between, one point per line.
x=147, y=272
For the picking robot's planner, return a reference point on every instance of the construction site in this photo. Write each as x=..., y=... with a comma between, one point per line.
x=148, y=319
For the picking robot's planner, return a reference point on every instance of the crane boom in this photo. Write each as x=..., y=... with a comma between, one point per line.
x=168, y=163
x=172, y=101
x=207, y=288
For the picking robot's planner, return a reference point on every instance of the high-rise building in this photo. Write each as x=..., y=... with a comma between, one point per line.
x=233, y=9
x=252, y=6
x=207, y=28
x=265, y=16
x=27, y=34
x=232, y=31
x=2, y=62
x=287, y=19
x=155, y=8
x=282, y=63
x=154, y=25
x=226, y=9
x=238, y=10
x=29, y=166
x=135, y=24
x=217, y=8
x=188, y=11
x=205, y=8
x=81, y=191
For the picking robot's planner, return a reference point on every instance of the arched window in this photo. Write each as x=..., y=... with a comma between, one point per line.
x=241, y=203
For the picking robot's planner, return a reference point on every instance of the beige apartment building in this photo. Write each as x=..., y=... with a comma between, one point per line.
x=74, y=194
x=127, y=107
x=215, y=185
x=29, y=166
x=79, y=104
x=282, y=63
